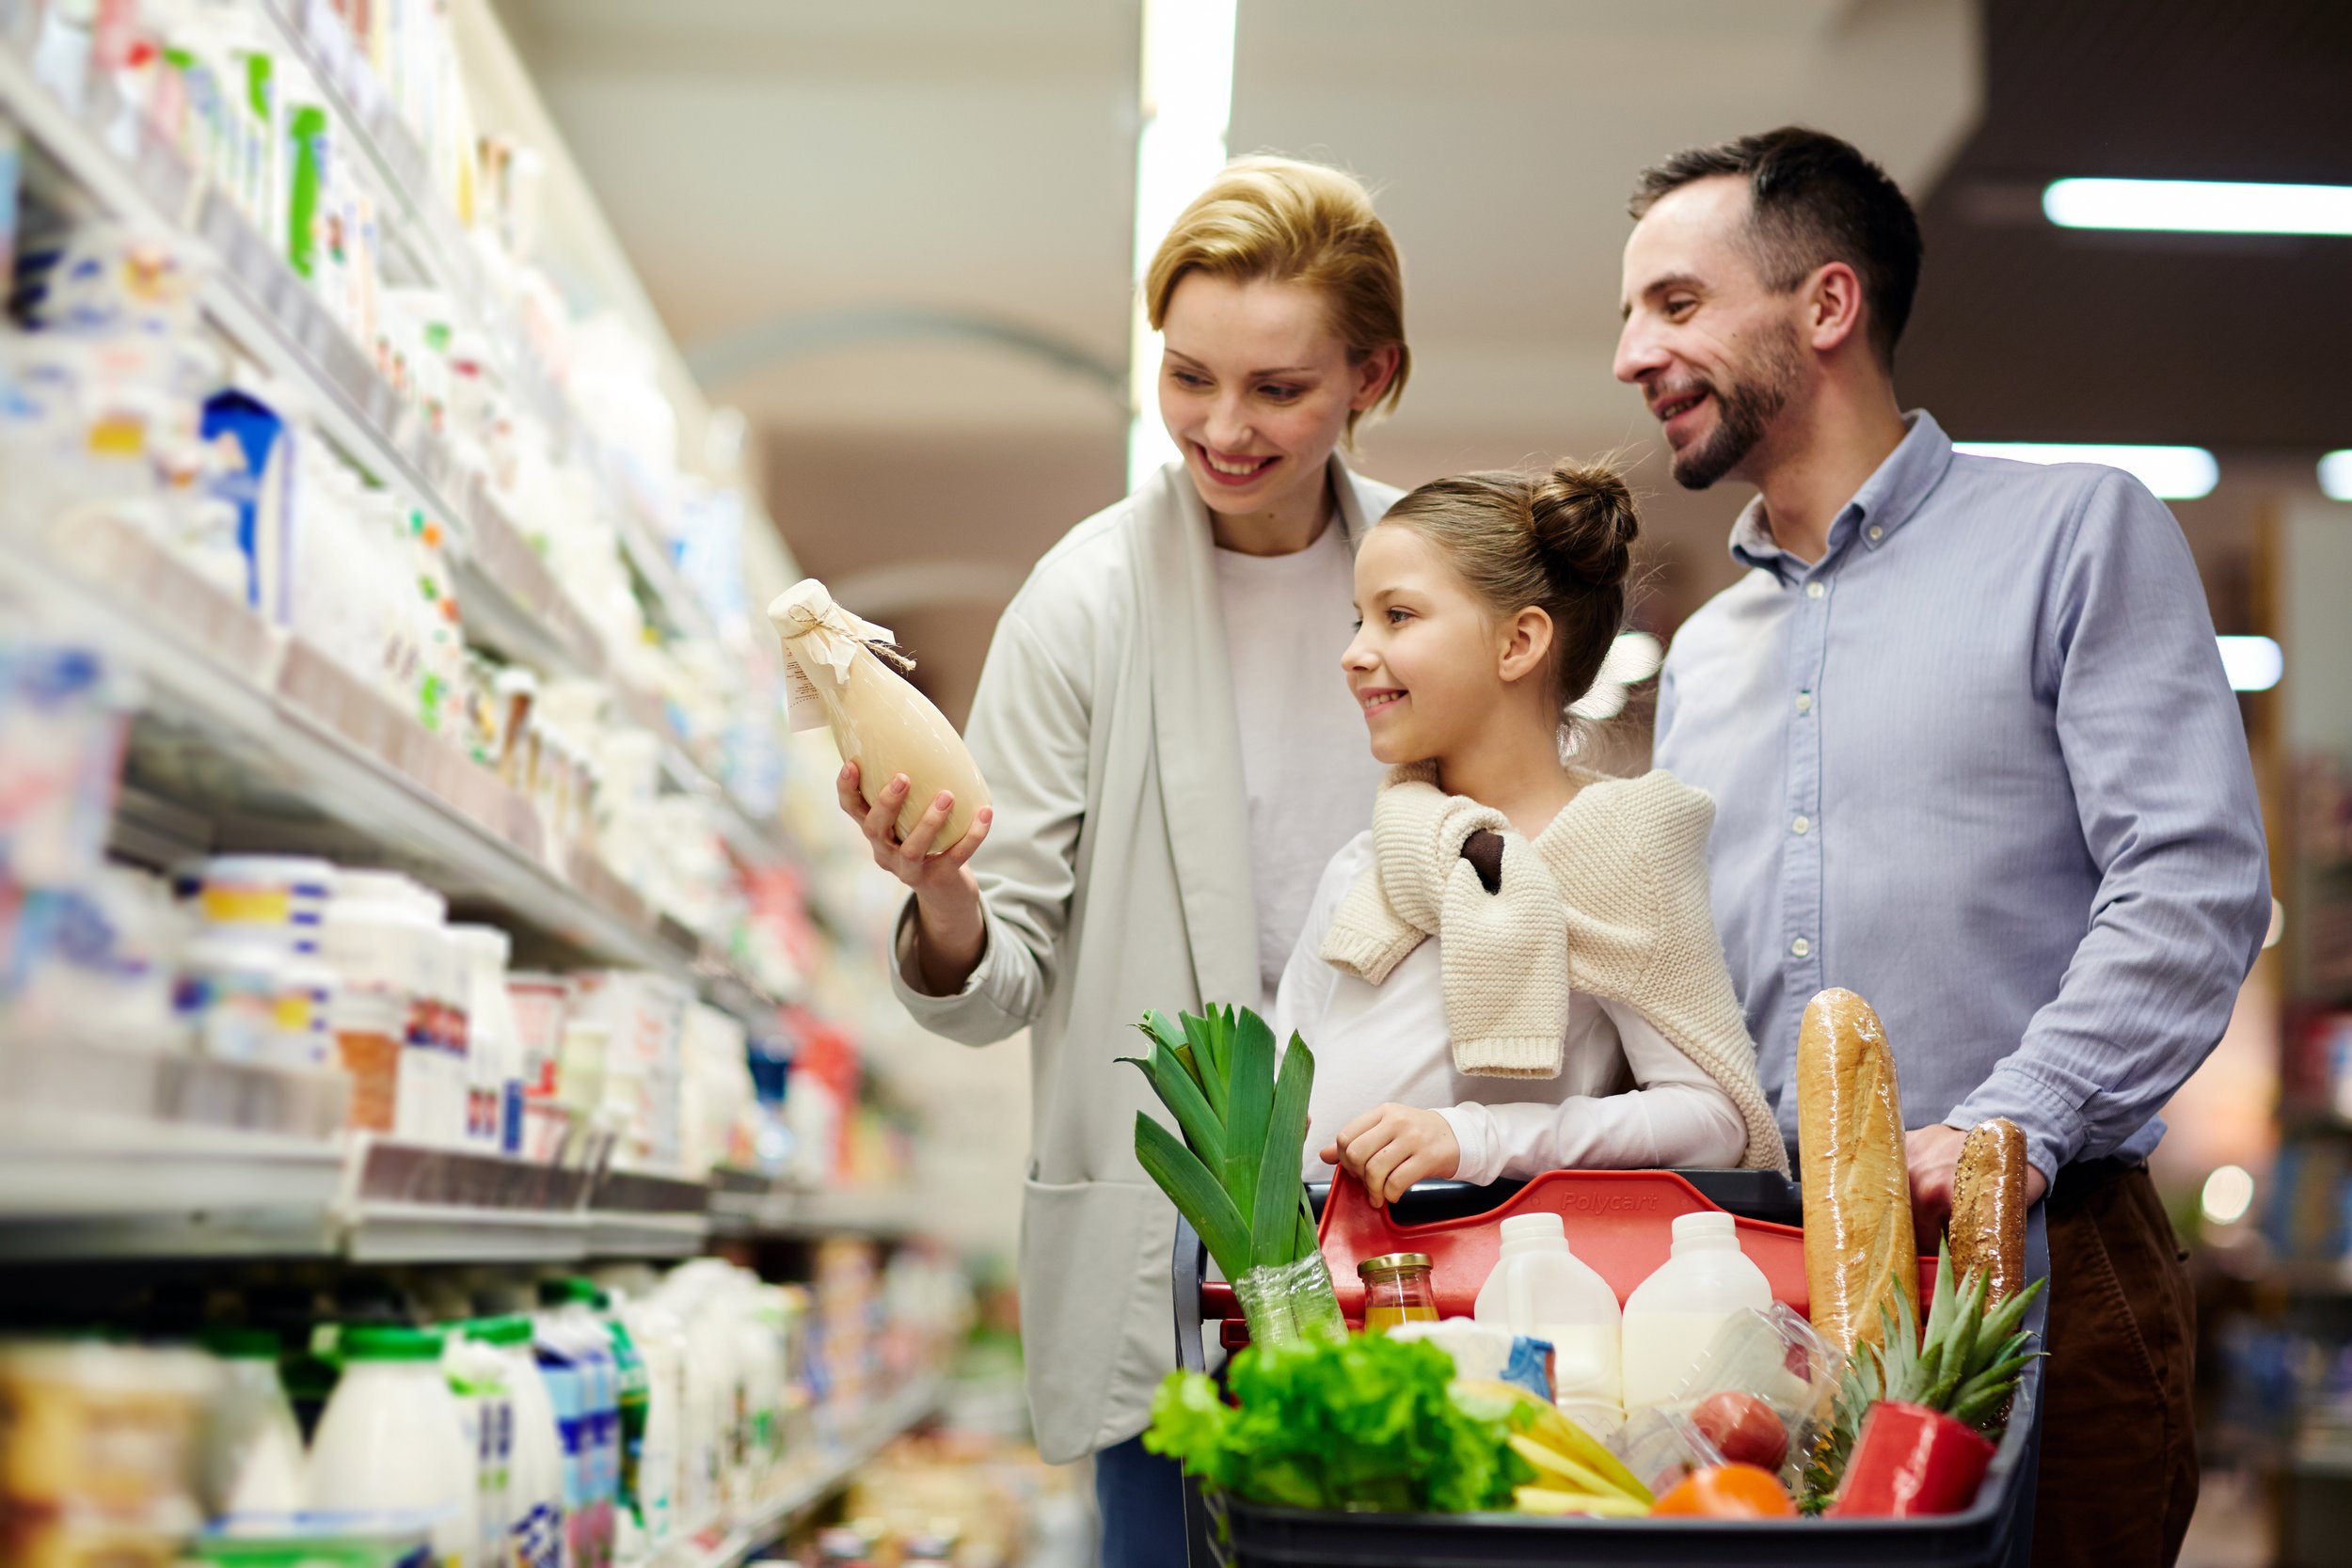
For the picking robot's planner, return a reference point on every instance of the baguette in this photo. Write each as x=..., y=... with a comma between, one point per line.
x=1858, y=1244
x=1988, y=1227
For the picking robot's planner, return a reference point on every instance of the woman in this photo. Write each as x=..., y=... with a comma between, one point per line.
x=1173, y=764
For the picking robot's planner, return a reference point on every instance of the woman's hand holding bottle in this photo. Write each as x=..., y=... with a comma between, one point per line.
x=950, y=924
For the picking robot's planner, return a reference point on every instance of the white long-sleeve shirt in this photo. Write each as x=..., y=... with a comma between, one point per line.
x=1626, y=1098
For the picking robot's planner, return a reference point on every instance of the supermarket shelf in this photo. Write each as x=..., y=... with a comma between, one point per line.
x=73, y=1187
x=510, y=600
x=275, y=726
x=127, y=1190
x=886, y=1213
x=822, y=1479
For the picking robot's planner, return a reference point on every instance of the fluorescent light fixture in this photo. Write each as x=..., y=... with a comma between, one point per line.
x=1187, y=102
x=2335, y=475
x=2176, y=474
x=2228, y=1192
x=2199, y=206
x=2252, y=663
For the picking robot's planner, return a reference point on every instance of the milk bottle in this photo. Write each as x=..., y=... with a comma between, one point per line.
x=836, y=674
x=1673, y=1317
x=391, y=1438
x=1542, y=1290
x=536, y=1464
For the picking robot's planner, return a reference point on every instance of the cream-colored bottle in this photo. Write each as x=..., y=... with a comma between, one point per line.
x=880, y=722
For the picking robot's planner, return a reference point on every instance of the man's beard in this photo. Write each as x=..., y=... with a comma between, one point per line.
x=1744, y=410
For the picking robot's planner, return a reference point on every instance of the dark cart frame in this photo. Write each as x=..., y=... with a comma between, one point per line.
x=1227, y=1532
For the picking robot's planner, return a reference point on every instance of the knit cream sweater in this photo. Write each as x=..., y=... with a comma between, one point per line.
x=1611, y=897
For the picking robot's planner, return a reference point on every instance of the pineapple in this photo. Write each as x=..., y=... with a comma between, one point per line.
x=1966, y=1366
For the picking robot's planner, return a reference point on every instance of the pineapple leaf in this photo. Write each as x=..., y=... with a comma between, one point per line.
x=1944, y=1303
x=1960, y=1348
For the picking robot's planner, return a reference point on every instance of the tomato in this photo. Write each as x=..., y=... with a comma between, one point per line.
x=1727, y=1492
x=1743, y=1429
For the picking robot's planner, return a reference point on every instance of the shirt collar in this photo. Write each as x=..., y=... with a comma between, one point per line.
x=1887, y=500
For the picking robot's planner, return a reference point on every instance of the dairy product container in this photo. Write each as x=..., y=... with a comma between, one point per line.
x=493, y=1049
x=392, y=1438
x=253, y=1448
x=1539, y=1288
x=575, y=1358
x=478, y=1379
x=835, y=677
x=1673, y=1317
x=535, y=1484
x=662, y=1343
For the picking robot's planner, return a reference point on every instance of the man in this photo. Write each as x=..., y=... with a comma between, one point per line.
x=1973, y=756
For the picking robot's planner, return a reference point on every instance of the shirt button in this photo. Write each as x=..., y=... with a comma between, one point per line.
x=1801, y=947
x=1801, y=825
x=1804, y=702
x=1814, y=590
x=1877, y=534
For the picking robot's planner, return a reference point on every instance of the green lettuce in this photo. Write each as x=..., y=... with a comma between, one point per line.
x=1366, y=1423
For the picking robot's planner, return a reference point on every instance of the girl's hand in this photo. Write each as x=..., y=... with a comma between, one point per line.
x=1390, y=1148
x=951, y=926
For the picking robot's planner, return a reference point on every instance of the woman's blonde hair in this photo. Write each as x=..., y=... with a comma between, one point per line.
x=1561, y=542
x=1291, y=222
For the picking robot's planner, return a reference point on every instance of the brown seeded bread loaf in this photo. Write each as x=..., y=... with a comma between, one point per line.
x=1988, y=1228
x=1857, y=1180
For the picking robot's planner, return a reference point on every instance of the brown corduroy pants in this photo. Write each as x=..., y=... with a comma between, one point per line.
x=2119, y=1443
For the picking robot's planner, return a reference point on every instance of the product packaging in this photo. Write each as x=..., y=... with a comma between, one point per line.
x=837, y=675
x=1289, y=1303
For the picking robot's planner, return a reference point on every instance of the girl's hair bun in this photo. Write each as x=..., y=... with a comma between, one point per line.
x=1584, y=522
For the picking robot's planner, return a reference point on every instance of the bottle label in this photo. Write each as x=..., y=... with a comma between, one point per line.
x=803, y=708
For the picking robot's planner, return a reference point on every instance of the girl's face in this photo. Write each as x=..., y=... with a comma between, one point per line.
x=1429, y=665
x=1256, y=387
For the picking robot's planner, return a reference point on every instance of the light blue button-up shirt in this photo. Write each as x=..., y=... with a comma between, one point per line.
x=1981, y=766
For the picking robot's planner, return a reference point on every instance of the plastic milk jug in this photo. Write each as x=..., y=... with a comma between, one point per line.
x=1542, y=1290
x=391, y=1438
x=1673, y=1317
x=536, y=1464
x=845, y=672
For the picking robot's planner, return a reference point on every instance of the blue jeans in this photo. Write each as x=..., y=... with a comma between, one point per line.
x=1141, y=1499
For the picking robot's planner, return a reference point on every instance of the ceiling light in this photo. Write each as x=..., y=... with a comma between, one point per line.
x=2176, y=474
x=2228, y=1192
x=2252, y=663
x=2199, y=206
x=1187, y=102
x=2335, y=475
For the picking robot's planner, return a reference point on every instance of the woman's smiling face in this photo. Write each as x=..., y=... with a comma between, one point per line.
x=1424, y=666
x=1256, y=387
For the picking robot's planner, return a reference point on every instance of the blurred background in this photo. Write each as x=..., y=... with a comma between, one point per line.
x=621, y=316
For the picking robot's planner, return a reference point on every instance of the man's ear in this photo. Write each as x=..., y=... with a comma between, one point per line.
x=1834, y=307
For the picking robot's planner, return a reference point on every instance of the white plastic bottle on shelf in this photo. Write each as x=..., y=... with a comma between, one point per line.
x=536, y=1467
x=478, y=1379
x=662, y=1343
x=1673, y=1314
x=386, y=928
x=493, y=1050
x=1541, y=1289
x=253, y=1461
x=391, y=1438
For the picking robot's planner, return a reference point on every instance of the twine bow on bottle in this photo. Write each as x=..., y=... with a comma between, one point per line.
x=818, y=632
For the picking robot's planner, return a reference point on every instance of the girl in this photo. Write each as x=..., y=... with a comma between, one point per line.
x=1515, y=969
x=1172, y=768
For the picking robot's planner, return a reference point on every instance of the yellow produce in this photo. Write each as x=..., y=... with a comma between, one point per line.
x=1555, y=1431
x=1558, y=1465
x=1542, y=1499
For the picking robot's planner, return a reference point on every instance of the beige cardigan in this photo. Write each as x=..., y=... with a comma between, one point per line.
x=1627, y=863
x=1104, y=727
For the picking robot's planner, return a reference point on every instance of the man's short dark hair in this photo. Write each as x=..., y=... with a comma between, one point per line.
x=1814, y=200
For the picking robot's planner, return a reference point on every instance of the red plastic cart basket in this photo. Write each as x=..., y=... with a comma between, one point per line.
x=1619, y=1222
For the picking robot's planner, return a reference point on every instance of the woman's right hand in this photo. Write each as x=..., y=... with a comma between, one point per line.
x=950, y=925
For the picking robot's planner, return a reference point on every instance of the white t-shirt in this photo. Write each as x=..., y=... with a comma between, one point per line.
x=1306, y=760
x=1626, y=1097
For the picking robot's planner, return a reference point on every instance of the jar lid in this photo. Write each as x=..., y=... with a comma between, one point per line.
x=1391, y=1263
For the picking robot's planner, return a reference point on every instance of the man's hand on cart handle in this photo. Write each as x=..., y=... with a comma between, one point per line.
x=1934, y=1153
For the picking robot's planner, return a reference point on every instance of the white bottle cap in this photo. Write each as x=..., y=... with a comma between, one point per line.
x=1708, y=1230
x=1542, y=1229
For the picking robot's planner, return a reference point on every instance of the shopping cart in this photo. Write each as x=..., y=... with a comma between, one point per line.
x=1620, y=1221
